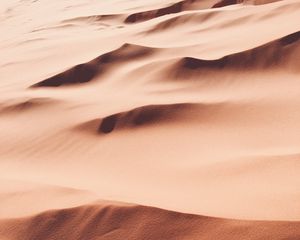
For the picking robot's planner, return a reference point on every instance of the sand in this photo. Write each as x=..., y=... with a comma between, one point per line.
x=149, y=119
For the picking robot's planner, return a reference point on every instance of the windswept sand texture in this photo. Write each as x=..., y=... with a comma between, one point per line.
x=149, y=119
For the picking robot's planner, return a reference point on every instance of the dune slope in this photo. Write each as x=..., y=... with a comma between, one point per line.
x=114, y=221
x=187, y=110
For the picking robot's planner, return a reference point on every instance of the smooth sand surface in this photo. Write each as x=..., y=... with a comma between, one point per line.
x=148, y=119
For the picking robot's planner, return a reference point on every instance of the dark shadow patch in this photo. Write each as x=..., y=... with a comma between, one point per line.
x=108, y=124
x=225, y=3
x=294, y=37
x=81, y=73
x=87, y=72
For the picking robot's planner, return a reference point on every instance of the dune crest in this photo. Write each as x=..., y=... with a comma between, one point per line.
x=86, y=72
x=149, y=115
x=113, y=221
x=173, y=8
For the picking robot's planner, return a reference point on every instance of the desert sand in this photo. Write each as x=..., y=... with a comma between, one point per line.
x=148, y=119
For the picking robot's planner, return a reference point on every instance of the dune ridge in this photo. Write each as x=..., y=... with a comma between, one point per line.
x=149, y=115
x=173, y=8
x=187, y=5
x=115, y=220
x=284, y=52
x=94, y=18
x=281, y=54
x=86, y=72
x=224, y=3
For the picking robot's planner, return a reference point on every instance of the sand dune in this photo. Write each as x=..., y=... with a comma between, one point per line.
x=114, y=220
x=148, y=115
x=282, y=53
x=174, y=8
x=86, y=72
x=186, y=5
x=173, y=119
